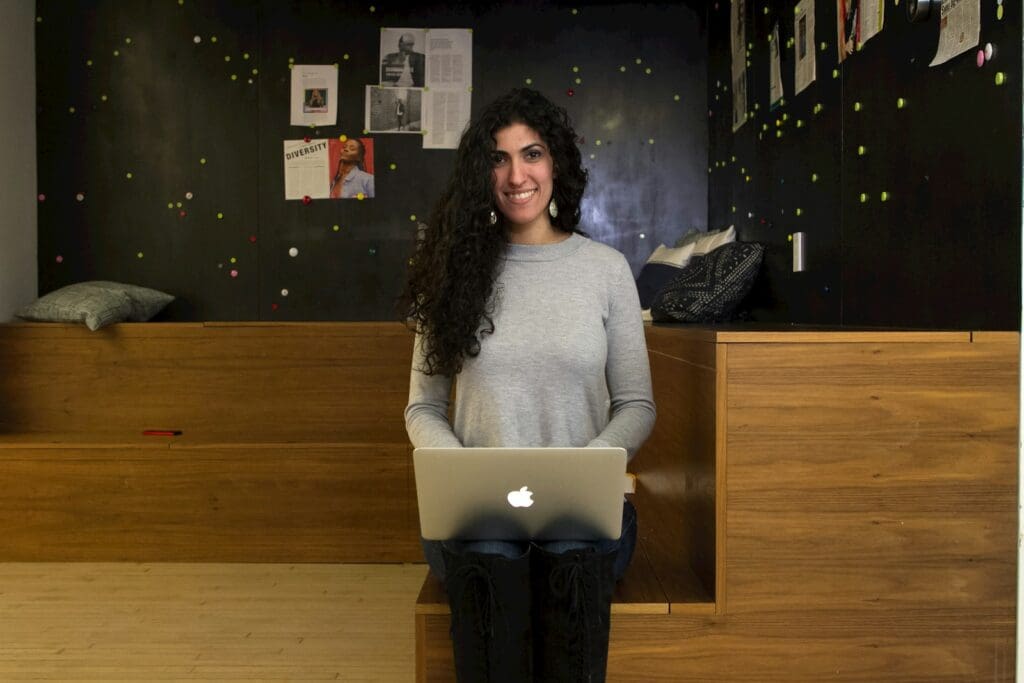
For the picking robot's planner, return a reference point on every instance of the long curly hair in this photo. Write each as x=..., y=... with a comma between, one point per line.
x=448, y=297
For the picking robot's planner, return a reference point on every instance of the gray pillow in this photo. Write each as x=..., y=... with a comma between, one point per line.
x=97, y=303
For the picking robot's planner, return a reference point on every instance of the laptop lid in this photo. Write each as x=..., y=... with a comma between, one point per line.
x=520, y=493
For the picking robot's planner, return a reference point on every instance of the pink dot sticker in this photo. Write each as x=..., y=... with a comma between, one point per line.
x=234, y=273
x=252, y=239
x=182, y=213
x=59, y=259
x=981, y=58
x=42, y=197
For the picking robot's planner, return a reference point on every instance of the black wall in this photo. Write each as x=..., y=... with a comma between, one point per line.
x=944, y=250
x=171, y=102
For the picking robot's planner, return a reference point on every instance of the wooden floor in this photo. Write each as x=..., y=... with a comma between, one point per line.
x=207, y=622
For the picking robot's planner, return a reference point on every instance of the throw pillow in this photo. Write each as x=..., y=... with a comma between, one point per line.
x=713, y=240
x=663, y=265
x=96, y=303
x=711, y=287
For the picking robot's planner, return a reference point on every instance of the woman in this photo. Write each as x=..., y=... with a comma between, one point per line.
x=350, y=180
x=540, y=327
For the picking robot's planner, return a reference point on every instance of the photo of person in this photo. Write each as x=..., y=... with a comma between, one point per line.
x=848, y=27
x=315, y=101
x=393, y=110
x=351, y=164
x=405, y=67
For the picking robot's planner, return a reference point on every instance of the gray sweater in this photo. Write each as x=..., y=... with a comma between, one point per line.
x=566, y=365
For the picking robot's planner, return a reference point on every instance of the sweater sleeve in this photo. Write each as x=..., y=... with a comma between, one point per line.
x=628, y=371
x=426, y=415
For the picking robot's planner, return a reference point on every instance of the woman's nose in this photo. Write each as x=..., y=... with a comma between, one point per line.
x=516, y=172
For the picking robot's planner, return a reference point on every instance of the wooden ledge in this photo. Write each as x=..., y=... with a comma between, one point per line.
x=639, y=592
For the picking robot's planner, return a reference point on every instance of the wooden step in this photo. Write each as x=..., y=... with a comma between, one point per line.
x=641, y=622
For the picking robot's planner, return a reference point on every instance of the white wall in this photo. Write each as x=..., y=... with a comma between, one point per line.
x=18, y=227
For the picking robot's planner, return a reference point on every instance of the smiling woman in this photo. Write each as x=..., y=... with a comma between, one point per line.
x=541, y=326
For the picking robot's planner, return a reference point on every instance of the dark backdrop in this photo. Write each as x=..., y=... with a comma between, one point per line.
x=167, y=110
x=944, y=249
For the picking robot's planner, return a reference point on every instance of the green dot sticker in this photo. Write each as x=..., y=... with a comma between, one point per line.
x=528, y=81
x=392, y=166
x=835, y=73
x=863, y=197
x=901, y=103
x=128, y=175
x=885, y=196
x=203, y=161
x=220, y=216
x=575, y=69
x=861, y=150
x=336, y=228
x=814, y=177
x=412, y=217
x=622, y=68
x=1000, y=76
x=675, y=97
x=799, y=211
x=139, y=255
x=857, y=106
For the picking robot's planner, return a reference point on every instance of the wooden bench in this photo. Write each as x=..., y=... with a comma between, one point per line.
x=815, y=504
x=293, y=445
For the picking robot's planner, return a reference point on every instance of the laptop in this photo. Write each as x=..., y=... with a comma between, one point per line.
x=520, y=493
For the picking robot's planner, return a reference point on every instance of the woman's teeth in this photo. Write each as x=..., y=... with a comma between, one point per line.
x=522, y=195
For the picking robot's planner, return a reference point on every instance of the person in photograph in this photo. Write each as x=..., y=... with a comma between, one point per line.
x=848, y=25
x=350, y=180
x=404, y=68
x=316, y=99
x=540, y=328
x=400, y=112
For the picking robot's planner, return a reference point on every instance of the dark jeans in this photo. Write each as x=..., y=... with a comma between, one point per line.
x=625, y=545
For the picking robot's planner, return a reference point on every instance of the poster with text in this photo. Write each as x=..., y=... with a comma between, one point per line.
x=329, y=169
x=314, y=95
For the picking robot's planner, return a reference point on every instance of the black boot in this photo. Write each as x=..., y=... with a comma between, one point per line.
x=572, y=598
x=490, y=601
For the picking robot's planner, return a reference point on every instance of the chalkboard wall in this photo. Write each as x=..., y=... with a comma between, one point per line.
x=941, y=247
x=160, y=128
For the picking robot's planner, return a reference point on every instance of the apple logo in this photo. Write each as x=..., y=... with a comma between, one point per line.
x=523, y=498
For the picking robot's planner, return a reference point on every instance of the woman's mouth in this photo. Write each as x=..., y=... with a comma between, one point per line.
x=520, y=197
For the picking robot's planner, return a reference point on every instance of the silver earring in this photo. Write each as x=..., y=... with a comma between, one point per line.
x=492, y=218
x=553, y=208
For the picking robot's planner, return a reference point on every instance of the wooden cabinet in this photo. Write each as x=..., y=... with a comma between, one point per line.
x=848, y=498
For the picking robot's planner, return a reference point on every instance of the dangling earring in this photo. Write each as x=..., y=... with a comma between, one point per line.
x=492, y=218
x=553, y=208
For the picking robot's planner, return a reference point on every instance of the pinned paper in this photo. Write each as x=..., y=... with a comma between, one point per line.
x=314, y=100
x=805, y=71
x=959, y=29
x=775, y=84
x=871, y=19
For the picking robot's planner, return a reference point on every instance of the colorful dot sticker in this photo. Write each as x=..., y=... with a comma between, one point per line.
x=80, y=196
x=188, y=195
x=140, y=255
x=284, y=292
x=412, y=217
x=59, y=259
x=337, y=228
x=360, y=196
x=234, y=273
x=196, y=39
x=41, y=197
x=293, y=252
x=220, y=216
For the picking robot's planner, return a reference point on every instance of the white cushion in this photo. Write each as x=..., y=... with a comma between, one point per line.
x=672, y=256
x=713, y=240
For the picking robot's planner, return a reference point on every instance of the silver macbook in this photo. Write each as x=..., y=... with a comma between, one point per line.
x=520, y=493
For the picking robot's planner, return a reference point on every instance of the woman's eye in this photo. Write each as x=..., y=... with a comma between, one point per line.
x=498, y=159
x=534, y=154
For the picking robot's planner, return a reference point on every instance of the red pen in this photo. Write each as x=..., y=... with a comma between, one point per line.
x=161, y=432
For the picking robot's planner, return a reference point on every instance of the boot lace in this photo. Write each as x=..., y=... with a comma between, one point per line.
x=568, y=582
